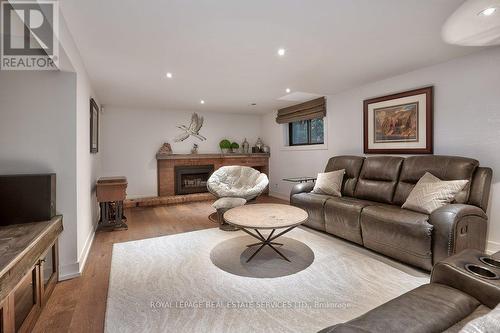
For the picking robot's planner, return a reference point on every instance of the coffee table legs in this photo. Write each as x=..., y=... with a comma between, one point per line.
x=266, y=241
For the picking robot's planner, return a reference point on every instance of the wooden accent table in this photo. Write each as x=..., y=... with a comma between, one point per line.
x=111, y=192
x=266, y=216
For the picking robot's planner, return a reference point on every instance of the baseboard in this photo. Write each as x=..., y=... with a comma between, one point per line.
x=279, y=196
x=75, y=270
x=492, y=247
x=70, y=271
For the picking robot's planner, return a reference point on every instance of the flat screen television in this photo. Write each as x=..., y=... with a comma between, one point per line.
x=27, y=198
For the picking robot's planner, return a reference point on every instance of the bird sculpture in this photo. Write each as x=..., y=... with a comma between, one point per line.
x=193, y=129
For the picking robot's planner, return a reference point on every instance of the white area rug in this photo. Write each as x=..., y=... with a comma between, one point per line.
x=169, y=284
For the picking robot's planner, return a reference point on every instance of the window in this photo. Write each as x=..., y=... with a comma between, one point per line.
x=306, y=132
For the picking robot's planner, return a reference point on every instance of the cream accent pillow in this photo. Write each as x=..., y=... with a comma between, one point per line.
x=329, y=183
x=431, y=193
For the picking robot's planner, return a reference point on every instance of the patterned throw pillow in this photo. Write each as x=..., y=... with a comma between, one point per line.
x=488, y=323
x=431, y=193
x=329, y=183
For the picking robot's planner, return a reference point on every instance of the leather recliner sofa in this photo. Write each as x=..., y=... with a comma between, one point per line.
x=454, y=297
x=369, y=212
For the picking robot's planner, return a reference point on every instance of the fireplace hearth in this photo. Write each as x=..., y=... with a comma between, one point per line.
x=192, y=178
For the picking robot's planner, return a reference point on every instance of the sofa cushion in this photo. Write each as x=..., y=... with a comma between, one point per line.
x=428, y=308
x=378, y=178
x=313, y=204
x=329, y=183
x=342, y=217
x=399, y=233
x=443, y=167
x=431, y=193
x=478, y=312
x=352, y=166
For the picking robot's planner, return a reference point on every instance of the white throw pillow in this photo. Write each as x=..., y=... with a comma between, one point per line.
x=431, y=193
x=329, y=183
x=488, y=323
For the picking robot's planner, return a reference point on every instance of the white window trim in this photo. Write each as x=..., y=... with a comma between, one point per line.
x=285, y=146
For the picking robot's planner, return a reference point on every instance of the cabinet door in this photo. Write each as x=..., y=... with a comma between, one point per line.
x=6, y=316
x=26, y=301
x=48, y=272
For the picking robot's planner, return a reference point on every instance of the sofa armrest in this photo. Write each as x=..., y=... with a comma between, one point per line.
x=457, y=227
x=452, y=272
x=301, y=188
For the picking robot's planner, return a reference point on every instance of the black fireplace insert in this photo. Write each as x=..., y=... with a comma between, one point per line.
x=192, y=178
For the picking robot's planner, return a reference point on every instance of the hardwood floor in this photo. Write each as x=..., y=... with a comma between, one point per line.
x=79, y=305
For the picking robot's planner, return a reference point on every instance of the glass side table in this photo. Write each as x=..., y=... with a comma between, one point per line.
x=300, y=179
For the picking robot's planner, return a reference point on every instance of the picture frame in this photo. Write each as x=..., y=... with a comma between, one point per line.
x=400, y=123
x=94, y=127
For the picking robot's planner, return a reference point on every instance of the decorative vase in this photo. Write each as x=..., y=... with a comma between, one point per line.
x=245, y=146
x=225, y=150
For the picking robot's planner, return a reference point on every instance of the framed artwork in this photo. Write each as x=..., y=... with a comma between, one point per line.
x=94, y=127
x=400, y=123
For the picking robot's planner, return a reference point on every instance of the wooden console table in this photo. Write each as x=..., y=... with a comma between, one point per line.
x=29, y=269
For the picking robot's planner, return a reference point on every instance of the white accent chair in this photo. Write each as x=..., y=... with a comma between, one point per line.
x=234, y=186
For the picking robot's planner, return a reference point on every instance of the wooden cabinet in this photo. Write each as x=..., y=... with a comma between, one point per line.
x=28, y=279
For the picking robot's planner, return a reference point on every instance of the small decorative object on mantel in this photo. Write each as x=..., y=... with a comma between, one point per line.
x=245, y=146
x=234, y=147
x=194, y=150
x=266, y=149
x=225, y=146
x=165, y=149
x=192, y=130
x=259, y=144
x=399, y=123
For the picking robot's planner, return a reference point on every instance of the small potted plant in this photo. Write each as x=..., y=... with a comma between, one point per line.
x=234, y=147
x=225, y=146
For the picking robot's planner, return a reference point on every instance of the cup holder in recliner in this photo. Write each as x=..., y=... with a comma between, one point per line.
x=483, y=272
x=490, y=262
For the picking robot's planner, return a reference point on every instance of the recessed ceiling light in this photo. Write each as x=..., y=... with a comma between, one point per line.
x=169, y=75
x=287, y=90
x=202, y=102
x=281, y=52
x=487, y=12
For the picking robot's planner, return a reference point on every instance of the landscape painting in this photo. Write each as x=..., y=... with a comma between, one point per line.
x=400, y=123
x=397, y=123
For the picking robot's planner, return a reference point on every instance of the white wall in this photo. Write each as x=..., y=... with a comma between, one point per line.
x=37, y=135
x=132, y=137
x=88, y=165
x=466, y=123
x=45, y=127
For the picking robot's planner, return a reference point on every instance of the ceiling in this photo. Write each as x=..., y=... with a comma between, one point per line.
x=225, y=51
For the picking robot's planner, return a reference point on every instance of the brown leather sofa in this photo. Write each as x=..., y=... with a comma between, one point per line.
x=374, y=189
x=454, y=297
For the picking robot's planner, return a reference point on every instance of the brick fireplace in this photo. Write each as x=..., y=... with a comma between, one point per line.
x=167, y=165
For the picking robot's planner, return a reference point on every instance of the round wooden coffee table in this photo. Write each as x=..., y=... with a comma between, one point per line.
x=266, y=216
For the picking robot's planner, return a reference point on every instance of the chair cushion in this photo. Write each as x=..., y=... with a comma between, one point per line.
x=313, y=204
x=228, y=203
x=479, y=312
x=352, y=166
x=378, y=178
x=443, y=167
x=399, y=233
x=428, y=308
x=237, y=181
x=329, y=183
x=342, y=217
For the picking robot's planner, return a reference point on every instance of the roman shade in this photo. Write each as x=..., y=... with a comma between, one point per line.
x=304, y=111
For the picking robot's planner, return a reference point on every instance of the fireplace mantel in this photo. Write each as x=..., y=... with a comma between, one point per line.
x=199, y=156
x=166, y=164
